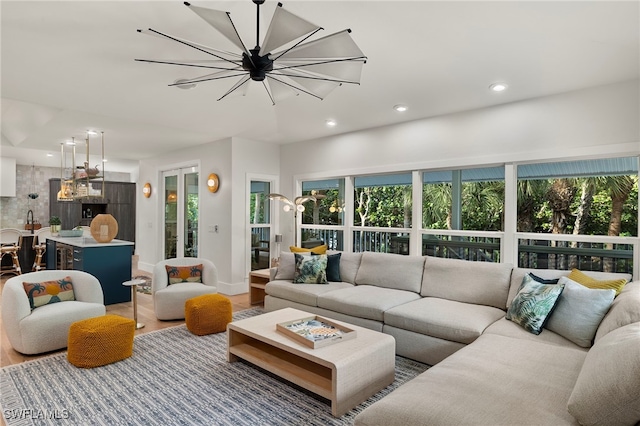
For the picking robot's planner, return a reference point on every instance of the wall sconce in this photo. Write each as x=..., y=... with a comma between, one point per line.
x=146, y=190
x=213, y=182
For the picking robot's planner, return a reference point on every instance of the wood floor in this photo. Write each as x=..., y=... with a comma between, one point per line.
x=8, y=356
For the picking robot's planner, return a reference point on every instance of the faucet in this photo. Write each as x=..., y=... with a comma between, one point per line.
x=30, y=212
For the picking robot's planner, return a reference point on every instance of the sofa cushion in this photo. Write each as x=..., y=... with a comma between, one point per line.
x=586, y=280
x=607, y=391
x=533, y=304
x=310, y=269
x=302, y=293
x=349, y=265
x=365, y=301
x=391, y=271
x=286, y=267
x=579, y=312
x=480, y=283
x=445, y=319
x=506, y=328
x=333, y=266
x=496, y=380
x=519, y=273
x=624, y=310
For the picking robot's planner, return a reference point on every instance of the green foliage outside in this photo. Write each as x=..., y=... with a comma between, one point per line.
x=483, y=206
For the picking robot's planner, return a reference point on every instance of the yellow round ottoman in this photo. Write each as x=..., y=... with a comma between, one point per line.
x=207, y=314
x=98, y=341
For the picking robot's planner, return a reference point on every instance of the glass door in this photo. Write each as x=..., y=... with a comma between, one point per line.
x=181, y=211
x=260, y=225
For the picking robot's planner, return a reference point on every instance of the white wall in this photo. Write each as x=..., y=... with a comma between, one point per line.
x=231, y=160
x=600, y=121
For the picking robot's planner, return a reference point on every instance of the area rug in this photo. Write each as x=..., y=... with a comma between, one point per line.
x=173, y=378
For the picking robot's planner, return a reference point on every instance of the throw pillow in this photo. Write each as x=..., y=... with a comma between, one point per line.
x=533, y=304
x=579, y=312
x=184, y=274
x=286, y=267
x=317, y=250
x=584, y=279
x=48, y=292
x=606, y=391
x=543, y=280
x=310, y=269
x=333, y=267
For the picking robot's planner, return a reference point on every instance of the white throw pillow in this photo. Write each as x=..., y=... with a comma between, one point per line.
x=579, y=311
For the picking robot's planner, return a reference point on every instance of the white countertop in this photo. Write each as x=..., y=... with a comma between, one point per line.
x=88, y=242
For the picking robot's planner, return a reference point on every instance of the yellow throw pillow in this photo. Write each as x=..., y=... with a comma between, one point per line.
x=317, y=250
x=587, y=281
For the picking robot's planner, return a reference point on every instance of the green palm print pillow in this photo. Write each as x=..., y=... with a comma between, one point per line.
x=48, y=292
x=310, y=269
x=533, y=304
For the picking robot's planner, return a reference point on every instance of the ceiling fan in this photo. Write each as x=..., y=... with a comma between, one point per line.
x=314, y=67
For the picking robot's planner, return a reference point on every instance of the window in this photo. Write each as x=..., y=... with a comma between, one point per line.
x=383, y=201
x=470, y=199
x=328, y=212
x=260, y=224
x=576, y=199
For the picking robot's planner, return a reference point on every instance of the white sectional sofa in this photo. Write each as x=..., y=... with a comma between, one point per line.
x=486, y=369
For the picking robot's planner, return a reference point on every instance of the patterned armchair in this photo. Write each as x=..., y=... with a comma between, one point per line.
x=169, y=299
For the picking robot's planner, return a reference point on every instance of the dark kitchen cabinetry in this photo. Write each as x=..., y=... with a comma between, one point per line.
x=119, y=201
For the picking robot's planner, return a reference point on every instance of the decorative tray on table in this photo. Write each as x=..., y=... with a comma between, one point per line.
x=315, y=332
x=71, y=232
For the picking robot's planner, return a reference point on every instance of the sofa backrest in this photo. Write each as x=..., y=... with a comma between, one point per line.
x=349, y=265
x=519, y=273
x=391, y=271
x=481, y=283
x=624, y=310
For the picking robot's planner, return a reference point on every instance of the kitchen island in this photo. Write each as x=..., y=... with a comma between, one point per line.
x=109, y=262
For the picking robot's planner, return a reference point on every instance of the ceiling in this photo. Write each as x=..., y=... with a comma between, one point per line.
x=69, y=66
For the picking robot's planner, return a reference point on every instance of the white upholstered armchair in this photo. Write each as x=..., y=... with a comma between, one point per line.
x=46, y=328
x=169, y=300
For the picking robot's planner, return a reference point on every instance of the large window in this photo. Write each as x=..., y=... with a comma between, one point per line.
x=562, y=215
x=570, y=200
x=470, y=199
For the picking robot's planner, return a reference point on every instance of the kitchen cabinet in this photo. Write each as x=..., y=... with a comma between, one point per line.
x=109, y=262
x=119, y=201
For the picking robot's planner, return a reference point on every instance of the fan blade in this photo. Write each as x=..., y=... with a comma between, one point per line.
x=297, y=88
x=222, y=22
x=188, y=64
x=242, y=82
x=319, y=88
x=281, y=91
x=333, y=46
x=284, y=28
x=344, y=71
x=209, y=77
x=198, y=46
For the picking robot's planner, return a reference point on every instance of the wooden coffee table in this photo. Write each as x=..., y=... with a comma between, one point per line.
x=346, y=373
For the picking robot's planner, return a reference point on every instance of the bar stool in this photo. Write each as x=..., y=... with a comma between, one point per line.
x=10, y=242
x=40, y=246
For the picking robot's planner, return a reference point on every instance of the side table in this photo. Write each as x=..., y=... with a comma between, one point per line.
x=134, y=288
x=258, y=279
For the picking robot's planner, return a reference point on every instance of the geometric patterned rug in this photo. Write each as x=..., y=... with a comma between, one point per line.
x=173, y=378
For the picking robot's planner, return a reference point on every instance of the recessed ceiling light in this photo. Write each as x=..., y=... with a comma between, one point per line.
x=184, y=86
x=104, y=160
x=400, y=108
x=331, y=122
x=70, y=143
x=49, y=154
x=91, y=132
x=498, y=87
